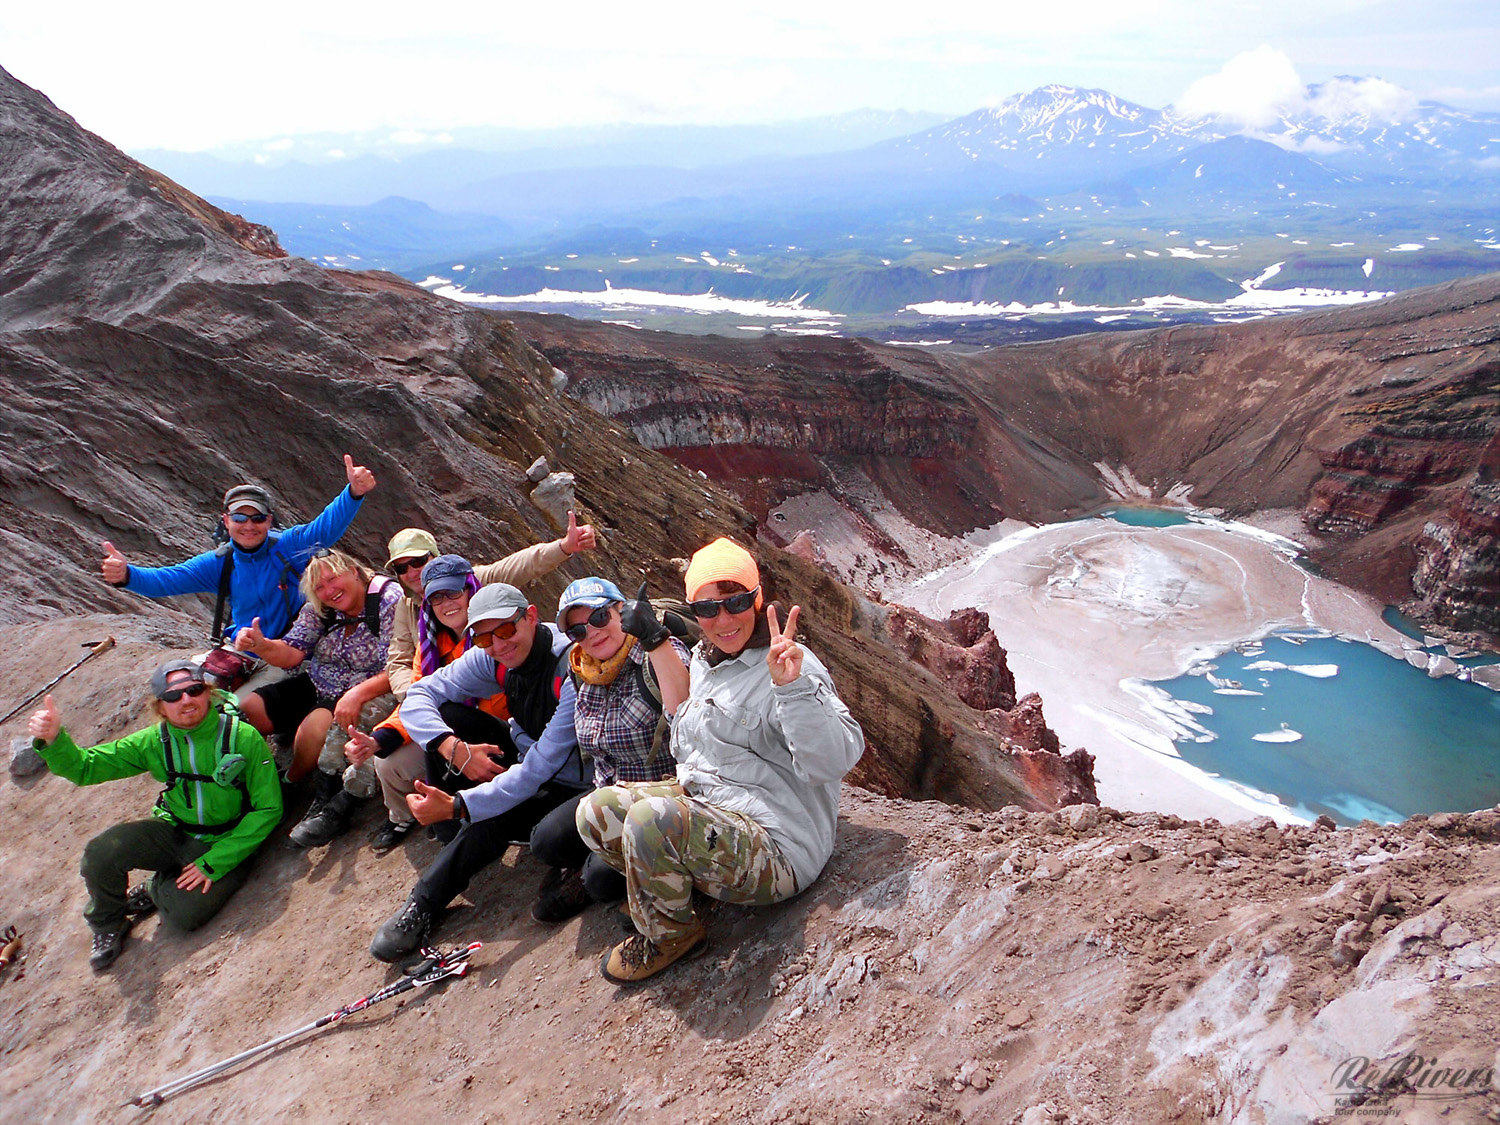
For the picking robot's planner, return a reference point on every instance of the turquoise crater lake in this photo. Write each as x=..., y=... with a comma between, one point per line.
x=1380, y=739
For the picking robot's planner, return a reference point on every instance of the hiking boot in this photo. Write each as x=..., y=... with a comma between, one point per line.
x=138, y=901
x=403, y=933
x=637, y=957
x=390, y=835
x=320, y=826
x=106, y=949
x=560, y=896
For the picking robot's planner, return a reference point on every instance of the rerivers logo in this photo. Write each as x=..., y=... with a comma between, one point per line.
x=1363, y=1087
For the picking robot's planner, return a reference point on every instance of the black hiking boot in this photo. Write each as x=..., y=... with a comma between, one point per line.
x=390, y=836
x=403, y=933
x=106, y=949
x=321, y=825
x=560, y=896
x=138, y=901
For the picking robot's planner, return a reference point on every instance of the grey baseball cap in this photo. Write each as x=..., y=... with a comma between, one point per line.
x=160, y=677
x=497, y=602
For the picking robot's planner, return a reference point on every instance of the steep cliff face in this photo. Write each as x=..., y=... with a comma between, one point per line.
x=1457, y=578
x=1370, y=420
x=149, y=358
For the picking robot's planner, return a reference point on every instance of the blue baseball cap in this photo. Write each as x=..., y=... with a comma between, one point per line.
x=592, y=592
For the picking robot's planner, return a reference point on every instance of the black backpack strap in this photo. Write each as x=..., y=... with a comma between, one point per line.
x=372, y=608
x=226, y=552
x=651, y=690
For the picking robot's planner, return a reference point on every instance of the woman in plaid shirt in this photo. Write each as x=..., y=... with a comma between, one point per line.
x=616, y=718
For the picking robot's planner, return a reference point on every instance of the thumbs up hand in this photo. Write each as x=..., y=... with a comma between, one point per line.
x=251, y=639
x=114, y=568
x=361, y=480
x=45, y=723
x=579, y=537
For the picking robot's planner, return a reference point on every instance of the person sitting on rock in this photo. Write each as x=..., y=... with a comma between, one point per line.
x=623, y=684
x=528, y=660
x=262, y=565
x=425, y=640
x=337, y=646
x=222, y=799
x=762, y=741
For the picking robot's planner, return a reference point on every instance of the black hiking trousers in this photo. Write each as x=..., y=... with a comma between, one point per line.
x=556, y=842
x=481, y=842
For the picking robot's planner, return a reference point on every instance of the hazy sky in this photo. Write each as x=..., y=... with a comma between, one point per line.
x=195, y=76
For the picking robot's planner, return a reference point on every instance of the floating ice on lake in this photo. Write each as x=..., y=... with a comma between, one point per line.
x=1236, y=691
x=1285, y=734
x=1317, y=671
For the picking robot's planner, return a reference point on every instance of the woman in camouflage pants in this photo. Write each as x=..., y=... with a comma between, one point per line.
x=762, y=741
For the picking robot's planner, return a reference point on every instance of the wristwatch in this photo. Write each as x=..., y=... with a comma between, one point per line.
x=460, y=808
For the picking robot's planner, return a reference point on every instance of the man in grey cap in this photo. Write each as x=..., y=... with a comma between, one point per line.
x=257, y=571
x=528, y=659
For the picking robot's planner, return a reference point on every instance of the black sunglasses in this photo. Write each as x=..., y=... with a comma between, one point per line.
x=192, y=690
x=598, y=619
x=256, y=518
x=401, y=566
x=734, y=603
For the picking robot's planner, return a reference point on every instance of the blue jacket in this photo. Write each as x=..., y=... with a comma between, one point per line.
x=264, y=582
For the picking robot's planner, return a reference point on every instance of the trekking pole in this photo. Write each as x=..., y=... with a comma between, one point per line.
x=436, y=966
x=100, y=646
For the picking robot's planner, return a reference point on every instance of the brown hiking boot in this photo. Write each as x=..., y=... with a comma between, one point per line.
x=637, y=957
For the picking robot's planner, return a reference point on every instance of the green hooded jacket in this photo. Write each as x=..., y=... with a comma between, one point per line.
x=188, y=803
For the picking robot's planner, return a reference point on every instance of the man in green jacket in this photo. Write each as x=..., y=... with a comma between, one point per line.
x=222, y=799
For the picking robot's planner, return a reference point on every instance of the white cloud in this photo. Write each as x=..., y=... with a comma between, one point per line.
x=407, y=137
x=281, y=144
x=1252, y=89
x=1342, y=98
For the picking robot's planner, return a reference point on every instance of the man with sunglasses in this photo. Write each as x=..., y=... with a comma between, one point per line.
x=528, y=659
x=412, y=548
x=222, y=799
x=263, y=564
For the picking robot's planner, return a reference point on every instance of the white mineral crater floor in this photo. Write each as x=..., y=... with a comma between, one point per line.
x=1086, y=610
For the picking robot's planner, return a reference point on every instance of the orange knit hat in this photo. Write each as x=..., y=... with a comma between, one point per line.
x=723, y=560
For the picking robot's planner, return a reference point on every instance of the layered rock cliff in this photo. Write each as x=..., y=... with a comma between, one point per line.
x=1372, y=421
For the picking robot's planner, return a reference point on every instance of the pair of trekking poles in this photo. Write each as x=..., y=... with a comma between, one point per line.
x=434, y=967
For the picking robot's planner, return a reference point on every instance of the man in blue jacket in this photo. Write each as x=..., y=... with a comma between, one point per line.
x=264, y=564
x=528, y=660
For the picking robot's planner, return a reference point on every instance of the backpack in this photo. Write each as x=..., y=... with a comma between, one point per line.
x=371, y=615
x=229, y=718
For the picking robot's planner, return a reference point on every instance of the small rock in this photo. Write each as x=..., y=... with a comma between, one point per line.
x=1442, y=822
x=1017, y=1018
x=539, y=469
x=559, y=380
x=1082, y=818
x=1141, y=852
x=1325, y=823
x=554, y=495
x=980, y=1079
x=1044, y=1114
x=1205, y=851
x=24, y=760
x=1261, y=824
x=1456, y=934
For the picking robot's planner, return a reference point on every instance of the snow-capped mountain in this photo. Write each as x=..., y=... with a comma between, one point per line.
x=1056, y=128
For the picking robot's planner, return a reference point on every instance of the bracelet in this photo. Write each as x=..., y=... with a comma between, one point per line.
x=468, y=755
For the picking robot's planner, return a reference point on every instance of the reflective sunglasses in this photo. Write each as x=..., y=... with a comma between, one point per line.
x=445, y=596
x=192, y=690
x=256, y=518
x=598, y=619
x=401, y=566
x=734, y=603
x=505, y=631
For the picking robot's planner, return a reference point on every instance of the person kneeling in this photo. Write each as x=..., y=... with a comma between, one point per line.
x=222, y=799
x=761, y=743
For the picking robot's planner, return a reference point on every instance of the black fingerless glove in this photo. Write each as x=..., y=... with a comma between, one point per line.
x=638, y=618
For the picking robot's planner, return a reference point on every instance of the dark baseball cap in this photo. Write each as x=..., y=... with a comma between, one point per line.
x=248, y=496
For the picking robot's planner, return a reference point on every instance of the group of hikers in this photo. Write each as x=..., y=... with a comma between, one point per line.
x=641, y=752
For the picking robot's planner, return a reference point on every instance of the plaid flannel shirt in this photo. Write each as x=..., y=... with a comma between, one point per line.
x=616, y=725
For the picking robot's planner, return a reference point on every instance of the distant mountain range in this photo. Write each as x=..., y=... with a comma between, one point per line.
x=1089, y=183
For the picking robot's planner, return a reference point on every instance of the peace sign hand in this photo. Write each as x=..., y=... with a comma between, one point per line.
x=784, y=659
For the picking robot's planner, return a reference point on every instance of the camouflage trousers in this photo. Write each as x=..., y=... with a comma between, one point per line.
x=666, y=843
x=359, y=780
